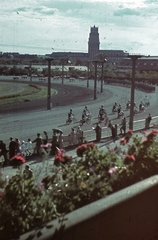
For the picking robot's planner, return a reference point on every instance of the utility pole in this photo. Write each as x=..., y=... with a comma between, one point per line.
x=95, y=79
x=133, y=58
x=64, y=61
x=102, y=74
x=49, y=83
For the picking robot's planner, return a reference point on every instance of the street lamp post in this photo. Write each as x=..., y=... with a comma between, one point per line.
x=133, y=58
x=49, y=84
x=102, y=74
x=95, y=79
x=63, y=61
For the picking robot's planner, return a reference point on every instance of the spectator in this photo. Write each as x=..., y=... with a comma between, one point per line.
x=23, y=148
x=113, y=133
x=123, y=125
x=38, y=142
x=3, y=152
x=18, y=147
x=60, y=140
x=98, y=132
x=45, y=139
x=72, y=136
x=79, y=135
x=119, y=111
x=29, y=146
x=149, y=118
x=28, y=173
x=55, y=143
x=12, y=148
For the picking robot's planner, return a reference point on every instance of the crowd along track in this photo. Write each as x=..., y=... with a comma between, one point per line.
x=25, y=119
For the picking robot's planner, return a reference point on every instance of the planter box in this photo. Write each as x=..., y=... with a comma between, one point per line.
x=129, y=214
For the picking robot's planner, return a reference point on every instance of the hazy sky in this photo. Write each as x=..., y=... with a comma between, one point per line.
x=44, y=26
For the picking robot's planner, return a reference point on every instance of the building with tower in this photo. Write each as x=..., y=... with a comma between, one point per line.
x=93, y=43
x=93, y=50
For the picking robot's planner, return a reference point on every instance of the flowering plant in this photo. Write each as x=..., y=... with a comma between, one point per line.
x=2, y=181
x=17, y=161
x=93, y=175
x=83, y=148
x=140, y=159
x=61, y=158
x=45, y=182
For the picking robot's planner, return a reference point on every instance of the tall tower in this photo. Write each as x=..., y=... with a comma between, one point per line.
x=93, y=44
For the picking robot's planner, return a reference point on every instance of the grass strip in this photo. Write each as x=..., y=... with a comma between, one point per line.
x=29, y=92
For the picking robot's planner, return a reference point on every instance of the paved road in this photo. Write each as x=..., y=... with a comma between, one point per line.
x=27, y=123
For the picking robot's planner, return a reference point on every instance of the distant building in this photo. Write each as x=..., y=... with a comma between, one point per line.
x=70, y=55
x=93, y=50
x=142, y=64
x=20, y=57
x=114, y=56
x=117, y=57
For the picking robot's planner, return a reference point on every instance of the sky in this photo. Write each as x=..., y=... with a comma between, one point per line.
x=45, y=26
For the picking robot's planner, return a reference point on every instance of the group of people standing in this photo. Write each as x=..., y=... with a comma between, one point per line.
x=16, y=147
x=76, y=136
x=42, y=143
x=22, y=148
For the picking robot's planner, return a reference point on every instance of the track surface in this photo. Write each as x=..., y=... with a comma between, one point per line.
x=65, y=95
x=25, y=119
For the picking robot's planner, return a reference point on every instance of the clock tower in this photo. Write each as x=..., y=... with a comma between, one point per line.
x=93, y=43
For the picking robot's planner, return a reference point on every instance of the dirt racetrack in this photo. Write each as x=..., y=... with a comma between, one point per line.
x=65, y=95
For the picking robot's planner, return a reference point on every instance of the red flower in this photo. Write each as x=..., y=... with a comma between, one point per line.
x=81, y=149
x=128, y=135
x=130, y=132
x=129, y=158
x=61, y=158
x=67, y=159
x=91, y=145
x=112, y=170
x=123, y=141
x=143, y=132
x=152, y=134
x=146, y=142
x=155, y=132
x=17, y=161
